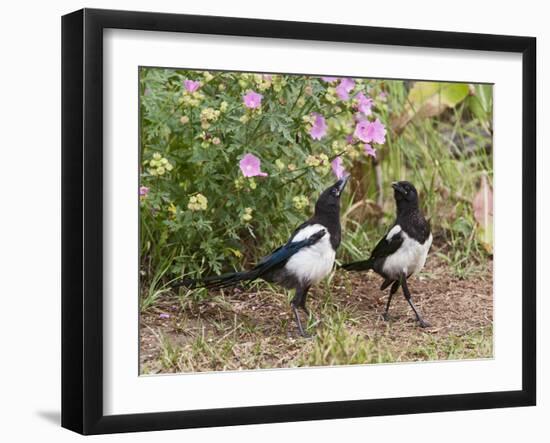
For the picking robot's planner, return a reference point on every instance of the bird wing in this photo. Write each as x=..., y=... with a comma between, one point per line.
x=385, y=247
x=389, y=243
x=280, y=255
x=299, y=228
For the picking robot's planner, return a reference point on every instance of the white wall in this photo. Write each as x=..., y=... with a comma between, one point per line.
x=30, y=218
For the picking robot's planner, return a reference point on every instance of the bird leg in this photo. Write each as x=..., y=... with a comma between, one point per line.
x=407, y=294
x=303, y=333
x=299, y=301
x=302, y=303
x=393, y=290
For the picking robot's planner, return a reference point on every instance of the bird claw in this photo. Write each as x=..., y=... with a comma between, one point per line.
x=385, y=316
x=306, y=335
x=424, y=324
x=303, y=333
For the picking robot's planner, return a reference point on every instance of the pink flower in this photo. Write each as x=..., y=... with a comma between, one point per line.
x=319, y=128
x=343, y=89
x=337, y=168
x=329, y=79
x=252, y=100
x=250, y=166
x=163, y=315
x=361, y=131
x=143, y=191
x=191, y=85
x=369, y=150
x=377, y=132
x=370, y=131
x=349, y=139
x=364, y=104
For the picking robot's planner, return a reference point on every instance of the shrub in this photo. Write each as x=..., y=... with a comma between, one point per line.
x=233, y=162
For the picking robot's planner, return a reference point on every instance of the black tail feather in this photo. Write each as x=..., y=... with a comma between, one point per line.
x=187, y=282
x=218, y=281
x=363, y=265
x=227, y=280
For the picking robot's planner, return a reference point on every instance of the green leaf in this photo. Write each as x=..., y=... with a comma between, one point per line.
x=429, y=99
x=474, y=104
x=485, y=96
x=483, y=213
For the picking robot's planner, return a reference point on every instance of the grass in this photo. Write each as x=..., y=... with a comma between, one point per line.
x=471, y=345
x=340, y=346
x=254, y=329
x=333, y=345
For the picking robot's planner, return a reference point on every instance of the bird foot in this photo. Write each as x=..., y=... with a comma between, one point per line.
x=424, y=323
x=386, y=316
x=306, y=335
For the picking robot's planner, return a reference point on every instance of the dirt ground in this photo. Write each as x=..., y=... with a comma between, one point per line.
x=251, y=329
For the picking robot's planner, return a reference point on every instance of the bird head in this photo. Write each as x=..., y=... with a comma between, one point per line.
x=329, y=200
x=405, y=194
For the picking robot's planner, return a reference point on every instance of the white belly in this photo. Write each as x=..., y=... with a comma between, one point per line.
x=313, y=263
x=408, y=259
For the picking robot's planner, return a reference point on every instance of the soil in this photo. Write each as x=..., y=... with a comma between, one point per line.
x=254, y=328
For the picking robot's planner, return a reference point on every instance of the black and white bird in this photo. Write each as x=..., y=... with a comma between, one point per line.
x=303, y=261
x=403, y=250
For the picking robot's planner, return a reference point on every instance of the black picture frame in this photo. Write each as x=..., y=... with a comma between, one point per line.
x=82, y=218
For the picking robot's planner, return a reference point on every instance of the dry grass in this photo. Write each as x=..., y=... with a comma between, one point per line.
x=254, y=329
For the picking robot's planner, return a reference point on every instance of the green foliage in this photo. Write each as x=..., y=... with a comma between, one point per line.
x=197, y=140
x=200, y=215
x=429, y=99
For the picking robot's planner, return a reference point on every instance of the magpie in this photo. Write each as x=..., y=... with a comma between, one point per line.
x=303, y=261
x=403, y=250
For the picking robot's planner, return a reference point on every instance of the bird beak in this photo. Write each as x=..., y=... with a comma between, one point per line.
x=341, y=184
x=398, y=188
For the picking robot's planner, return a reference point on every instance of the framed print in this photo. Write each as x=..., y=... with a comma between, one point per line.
x=269, y=221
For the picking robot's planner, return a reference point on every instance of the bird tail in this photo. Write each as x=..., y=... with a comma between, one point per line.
x=363, y=265
x=217, y=281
